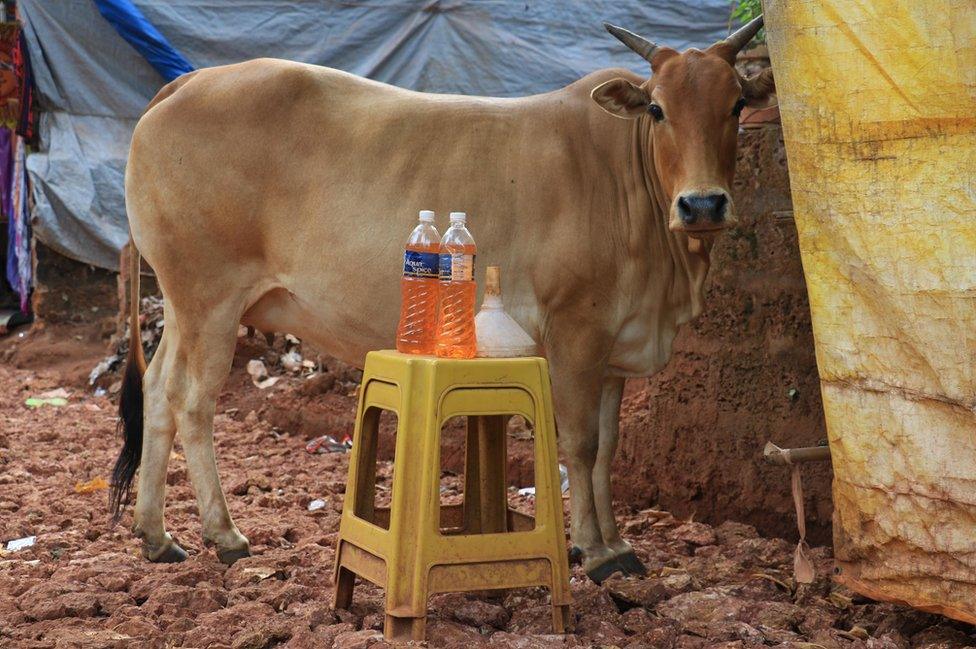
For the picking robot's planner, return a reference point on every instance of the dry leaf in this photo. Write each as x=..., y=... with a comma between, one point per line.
x=95, y=484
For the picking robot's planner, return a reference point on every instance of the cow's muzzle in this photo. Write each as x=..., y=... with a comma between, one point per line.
x=701, y=212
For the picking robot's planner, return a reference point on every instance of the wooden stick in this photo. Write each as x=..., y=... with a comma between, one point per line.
x=776, y=455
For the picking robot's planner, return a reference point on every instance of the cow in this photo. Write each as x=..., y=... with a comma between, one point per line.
x=277, y=195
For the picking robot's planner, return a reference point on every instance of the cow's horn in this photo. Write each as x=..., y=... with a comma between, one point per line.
x=637, y=43
x=737, y=40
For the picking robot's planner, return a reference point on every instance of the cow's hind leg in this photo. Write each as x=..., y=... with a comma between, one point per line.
x=613, y=389
x=157, y=442
x=205, y=344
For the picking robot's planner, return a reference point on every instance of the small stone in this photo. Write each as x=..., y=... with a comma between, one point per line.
x=181, y=624
x=318, y=384
x=695, y=534
x=679, y=582
x=374, y=621
x=138, y=628
x=887, y=641
x=357, y=639
x=168, y=599
x=628, y=592
x=480, y=613
x=540, y=641
x=731, y=532
x=262, y=634
x=446, y=633
x=941, y=636
x=50, y=602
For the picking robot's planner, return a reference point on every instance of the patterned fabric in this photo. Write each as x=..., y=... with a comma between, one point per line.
x=27, y=122
x=6, y=171
x=19, y=268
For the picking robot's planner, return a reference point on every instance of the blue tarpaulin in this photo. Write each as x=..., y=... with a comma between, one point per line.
x=138, y=32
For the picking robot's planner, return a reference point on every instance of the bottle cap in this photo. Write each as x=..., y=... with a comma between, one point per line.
x=458, y=217
x=427, y=216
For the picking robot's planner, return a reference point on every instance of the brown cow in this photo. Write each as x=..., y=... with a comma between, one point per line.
x=278, y=194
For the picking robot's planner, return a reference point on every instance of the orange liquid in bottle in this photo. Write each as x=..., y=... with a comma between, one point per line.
x=419, y=287
x=455, y=324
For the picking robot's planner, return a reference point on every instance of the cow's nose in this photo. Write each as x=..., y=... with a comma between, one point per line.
x=702, y=209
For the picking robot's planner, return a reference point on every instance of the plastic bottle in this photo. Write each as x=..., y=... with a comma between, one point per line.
x=419, y=287
x=455, y=324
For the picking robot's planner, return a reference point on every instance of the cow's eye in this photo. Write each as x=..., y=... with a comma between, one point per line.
x=655, y=112
x=739, y=105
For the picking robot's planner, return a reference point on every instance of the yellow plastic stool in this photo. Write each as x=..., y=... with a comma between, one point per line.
x=417, y=548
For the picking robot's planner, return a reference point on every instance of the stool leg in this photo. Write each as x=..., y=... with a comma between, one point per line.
x=560, y=618
x=404, y=629
x=486, y=460
x=365, y=486
x=472, y=480
x=345, y=582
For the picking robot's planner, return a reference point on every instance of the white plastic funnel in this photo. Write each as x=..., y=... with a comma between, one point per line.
x=499, y=336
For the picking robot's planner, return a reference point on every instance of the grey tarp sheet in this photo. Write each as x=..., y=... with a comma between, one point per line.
x=93, y=85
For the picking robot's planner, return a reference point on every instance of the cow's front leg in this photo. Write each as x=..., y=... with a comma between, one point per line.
x=613, y=389
x=576, y=386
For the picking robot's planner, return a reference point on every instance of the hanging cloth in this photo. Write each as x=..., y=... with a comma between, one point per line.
x=27, y=123
x=19, y=266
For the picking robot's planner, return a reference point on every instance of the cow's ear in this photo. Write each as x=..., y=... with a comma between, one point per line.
x=757, y=88
x=621, y=98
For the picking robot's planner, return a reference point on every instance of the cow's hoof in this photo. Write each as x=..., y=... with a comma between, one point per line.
x=575, y=556
x=228, y=557
x=631, y=565
x=602, y=571
x=170, y=553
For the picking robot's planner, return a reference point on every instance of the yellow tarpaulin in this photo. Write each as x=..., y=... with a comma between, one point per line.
x=878, y=101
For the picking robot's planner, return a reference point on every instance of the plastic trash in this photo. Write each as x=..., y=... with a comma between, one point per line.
x=259, y=374
x=37, y=402
x=316, y=505
x=292, y=361
x=329, y=444
x=20, y=544
x=499, y=336
x=105, y=365
x=563, y=483
x=97, y=483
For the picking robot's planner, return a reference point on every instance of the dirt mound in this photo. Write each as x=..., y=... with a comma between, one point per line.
x=83, y=583
x=65, y=349
x=742, y=374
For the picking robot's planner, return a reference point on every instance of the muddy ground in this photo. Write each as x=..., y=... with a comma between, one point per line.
x=84, y=583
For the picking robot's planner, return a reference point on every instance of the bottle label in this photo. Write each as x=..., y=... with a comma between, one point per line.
x=456, y=267
x=420, y=264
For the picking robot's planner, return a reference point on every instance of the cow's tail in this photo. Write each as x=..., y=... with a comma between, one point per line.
x=130, y=400
x=131, y=397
